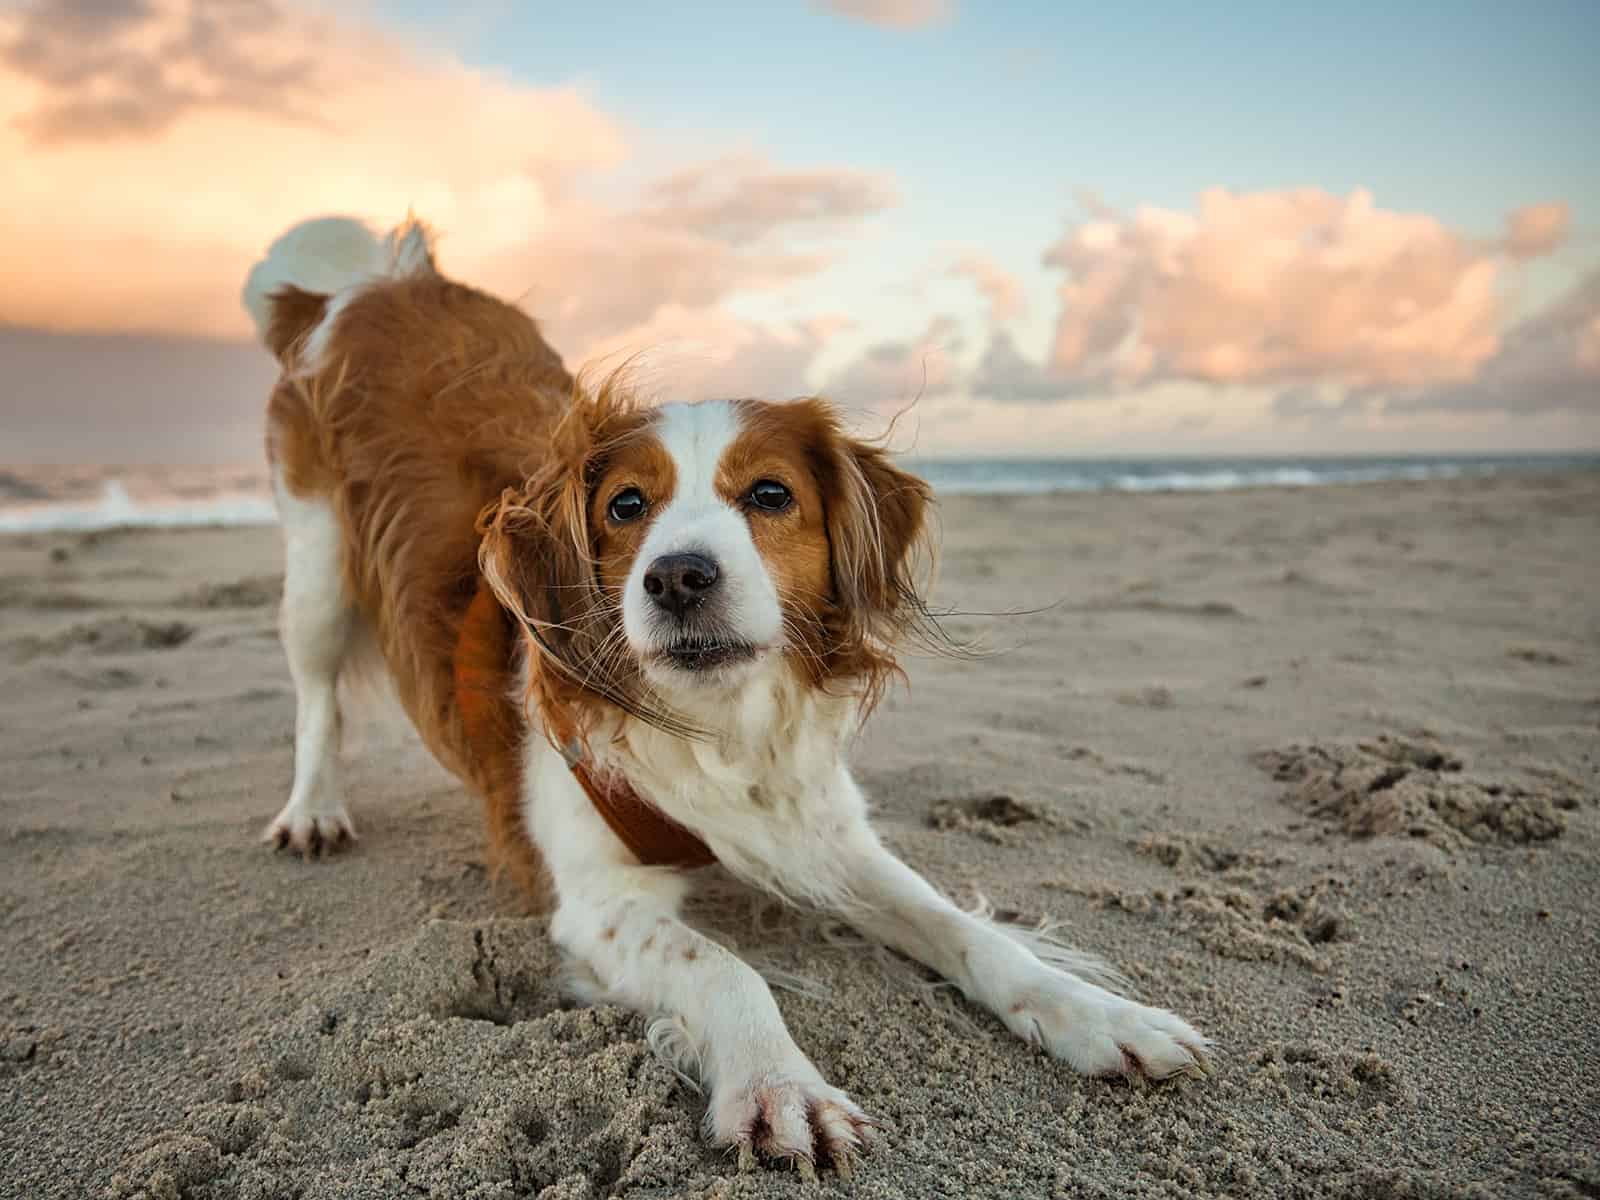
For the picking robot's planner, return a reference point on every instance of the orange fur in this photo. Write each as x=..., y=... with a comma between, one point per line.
x=456, y=452
x=540, y=557
x=434, y=401
x=847, y=564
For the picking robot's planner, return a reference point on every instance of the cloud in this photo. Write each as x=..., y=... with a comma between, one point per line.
x=1310, y=404
x=685, y=353
x=585, y=277
x=1537, y=229
x=1007, y=376
x=1275, y=289
x=1333, y=307
x=148, y=220
x=892, y=14
x=703, y=234
x=999, y=287
x=117, y=68
x=891, y=374
x=150, y=223
x=1549, y=362
x=740, y=199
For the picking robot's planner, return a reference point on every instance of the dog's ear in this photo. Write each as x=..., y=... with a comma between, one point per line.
x=878, y=533
x=534, y=555
x=879, y=542
x=536, y=551
x=537, y=555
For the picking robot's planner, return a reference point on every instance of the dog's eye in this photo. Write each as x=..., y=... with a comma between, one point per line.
x=770, y=495
x=627, y=505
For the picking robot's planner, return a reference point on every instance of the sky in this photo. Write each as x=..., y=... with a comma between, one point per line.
x=1050, y=229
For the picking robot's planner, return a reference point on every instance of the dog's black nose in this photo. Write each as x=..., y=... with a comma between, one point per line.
x=678, y=582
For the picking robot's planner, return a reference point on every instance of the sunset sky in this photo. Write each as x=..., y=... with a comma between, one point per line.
x=1062, y=229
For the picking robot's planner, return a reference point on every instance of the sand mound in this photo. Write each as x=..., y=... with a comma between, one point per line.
x=44, y=597
x=1398, y=787
x=1244, y=920
x=257, y=591
x=448, y=1067
x=992, y=818
x=115, y=635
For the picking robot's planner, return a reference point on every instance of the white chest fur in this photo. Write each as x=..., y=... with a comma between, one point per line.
x=768, y=789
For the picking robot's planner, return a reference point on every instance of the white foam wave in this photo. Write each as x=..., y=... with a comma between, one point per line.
x=116, y=509
x=999, y=478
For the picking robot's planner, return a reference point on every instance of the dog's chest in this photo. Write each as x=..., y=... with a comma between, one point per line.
x=773, y=773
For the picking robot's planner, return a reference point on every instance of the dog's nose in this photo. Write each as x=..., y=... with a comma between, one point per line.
x=678, y=582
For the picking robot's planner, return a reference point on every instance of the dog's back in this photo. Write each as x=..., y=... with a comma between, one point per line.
x=376, y=444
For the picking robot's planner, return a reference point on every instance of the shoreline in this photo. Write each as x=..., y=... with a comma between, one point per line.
x=115, y=508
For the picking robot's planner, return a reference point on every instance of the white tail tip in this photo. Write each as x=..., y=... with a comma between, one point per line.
x=326, y=255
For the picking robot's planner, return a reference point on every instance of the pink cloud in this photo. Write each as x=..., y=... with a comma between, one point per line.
x=695, y=353
x=743, y=198
x=1331, y=302
x=1548, y=362
x=1274, y=288
x=150, y=224
x=999, y=287
x=165, y=144
x=129, y=68
x=892, y=14
x=703, y=234
x=1537, y=229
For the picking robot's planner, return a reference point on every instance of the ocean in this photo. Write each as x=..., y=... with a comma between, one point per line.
x=40, y=499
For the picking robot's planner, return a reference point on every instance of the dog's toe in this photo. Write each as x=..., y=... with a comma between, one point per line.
x=805, y=1124
x=310, y=834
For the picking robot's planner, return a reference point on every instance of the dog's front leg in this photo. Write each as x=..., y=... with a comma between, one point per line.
x=1073, y=1017
x=619, y=922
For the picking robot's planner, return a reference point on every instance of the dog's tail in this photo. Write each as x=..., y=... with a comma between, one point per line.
x=291, y=291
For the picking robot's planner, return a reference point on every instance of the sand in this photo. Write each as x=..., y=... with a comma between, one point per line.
x=1318, y=769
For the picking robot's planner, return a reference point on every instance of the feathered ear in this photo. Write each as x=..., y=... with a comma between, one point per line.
x=537, y=556
x=880, y=549
x=534, y=556
x=877, y=526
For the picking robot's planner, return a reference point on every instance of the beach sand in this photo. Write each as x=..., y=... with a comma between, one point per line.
x=1317, y=769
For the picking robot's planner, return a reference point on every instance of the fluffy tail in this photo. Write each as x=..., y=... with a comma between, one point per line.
x=288, y=291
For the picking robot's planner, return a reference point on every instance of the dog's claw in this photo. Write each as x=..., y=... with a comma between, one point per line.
x=313, y=835
x=806, y=1125
x=1133, y=1070
x=1103, y=1034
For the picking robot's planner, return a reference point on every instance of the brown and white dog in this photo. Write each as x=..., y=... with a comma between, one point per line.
x=645, y=636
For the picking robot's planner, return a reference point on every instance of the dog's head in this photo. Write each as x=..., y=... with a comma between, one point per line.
x=666, y=555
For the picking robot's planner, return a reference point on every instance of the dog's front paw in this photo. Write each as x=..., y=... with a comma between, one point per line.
x=308, y=831
x=1101, y=1033
x=802, y=1121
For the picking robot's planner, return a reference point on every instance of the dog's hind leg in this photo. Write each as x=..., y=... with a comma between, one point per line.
x=317, y=623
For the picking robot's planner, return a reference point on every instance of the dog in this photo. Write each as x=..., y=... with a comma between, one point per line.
x=645, y=636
